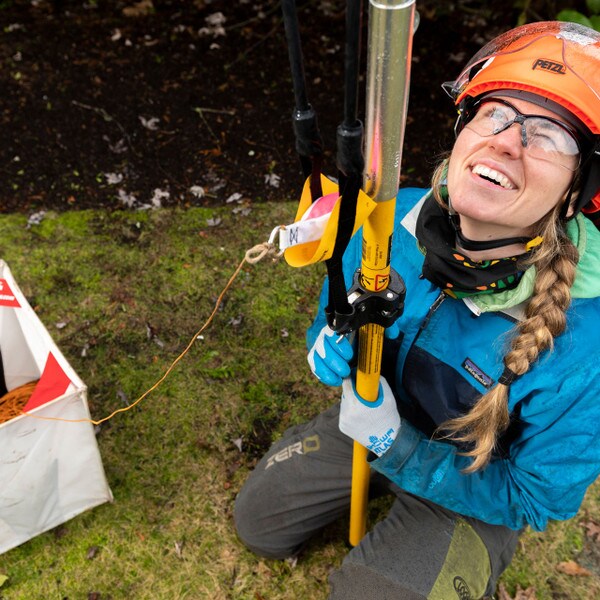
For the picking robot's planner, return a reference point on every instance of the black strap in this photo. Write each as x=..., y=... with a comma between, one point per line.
x=467, y=244
x=350, y=162
x=349, y=142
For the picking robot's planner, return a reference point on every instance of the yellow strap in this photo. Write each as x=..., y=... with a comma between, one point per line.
x=317, y=251
x=536, y=241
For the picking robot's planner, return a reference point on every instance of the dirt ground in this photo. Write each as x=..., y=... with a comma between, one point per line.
x=178, y=102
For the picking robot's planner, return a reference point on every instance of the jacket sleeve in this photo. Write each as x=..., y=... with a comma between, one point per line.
x=549, y=467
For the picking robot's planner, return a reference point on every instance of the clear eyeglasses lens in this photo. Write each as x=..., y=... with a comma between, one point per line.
x=543, y=137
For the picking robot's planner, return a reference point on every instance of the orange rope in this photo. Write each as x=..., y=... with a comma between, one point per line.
x=252, y=256
x=13, y=402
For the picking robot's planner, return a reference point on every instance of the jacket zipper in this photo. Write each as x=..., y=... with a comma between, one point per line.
x=436, y=304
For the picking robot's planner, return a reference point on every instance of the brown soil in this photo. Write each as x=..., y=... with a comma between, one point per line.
x=109, y=104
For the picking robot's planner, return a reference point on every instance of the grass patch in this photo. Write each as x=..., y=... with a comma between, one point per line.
x=122, y=294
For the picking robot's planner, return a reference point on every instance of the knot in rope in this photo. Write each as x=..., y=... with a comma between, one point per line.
x=258, y=252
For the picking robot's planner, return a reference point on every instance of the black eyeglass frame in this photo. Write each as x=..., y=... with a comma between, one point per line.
x=469, y=110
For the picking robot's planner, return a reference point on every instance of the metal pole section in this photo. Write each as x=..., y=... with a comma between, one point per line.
x=388, y=76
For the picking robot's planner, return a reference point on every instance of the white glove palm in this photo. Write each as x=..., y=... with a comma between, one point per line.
x=375, y=425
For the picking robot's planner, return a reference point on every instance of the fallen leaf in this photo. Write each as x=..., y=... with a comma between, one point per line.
x=570, y=567
x=520, y=594
x=292, y=561
x=198, y=191
x=151, y=123
x=128, y=200
x=36, y=218
x=3, y=579
x=502, y=593
x=215, y=25
x=158, y=196
x=211, y=152
x=235, y=321
x=272, y=180
x=592, y=530
x=142, y=8
x=113, y=178
x=528, y=594
x=244, y=211
x=122, y=396
x=235, y=197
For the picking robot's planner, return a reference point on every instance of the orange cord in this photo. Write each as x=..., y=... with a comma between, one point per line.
x=252, y=256
x=13, y=402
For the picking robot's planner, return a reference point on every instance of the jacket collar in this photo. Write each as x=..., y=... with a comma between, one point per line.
x=581, y=231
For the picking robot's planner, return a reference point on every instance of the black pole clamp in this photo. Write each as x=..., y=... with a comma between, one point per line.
x=366, y=306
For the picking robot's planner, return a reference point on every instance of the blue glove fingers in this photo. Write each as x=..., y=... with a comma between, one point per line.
x=329, y=357
x=332, y=366
x=338, y=349
x=324, y=374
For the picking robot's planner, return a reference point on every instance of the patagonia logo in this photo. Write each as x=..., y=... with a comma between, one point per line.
x=549, y=65
x=477, y=373
x=461, y=588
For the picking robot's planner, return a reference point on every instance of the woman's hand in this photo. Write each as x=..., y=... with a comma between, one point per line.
x=330, y=356
x=375, y=425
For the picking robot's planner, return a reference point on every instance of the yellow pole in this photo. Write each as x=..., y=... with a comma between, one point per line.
x=388, y=74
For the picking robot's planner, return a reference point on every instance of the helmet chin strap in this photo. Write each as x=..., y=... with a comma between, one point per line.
x=476, y=245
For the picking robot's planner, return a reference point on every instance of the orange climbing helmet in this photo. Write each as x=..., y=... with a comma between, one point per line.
x=553, y=64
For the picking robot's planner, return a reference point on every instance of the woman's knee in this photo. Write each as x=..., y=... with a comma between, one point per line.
x=253, y=528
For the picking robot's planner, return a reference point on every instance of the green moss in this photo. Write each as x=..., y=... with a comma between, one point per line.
x=130, y=290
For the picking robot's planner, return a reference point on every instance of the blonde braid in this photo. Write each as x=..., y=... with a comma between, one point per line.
x=555, y=261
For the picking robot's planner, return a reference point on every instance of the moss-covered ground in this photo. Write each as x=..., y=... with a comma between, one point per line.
x=122, y=294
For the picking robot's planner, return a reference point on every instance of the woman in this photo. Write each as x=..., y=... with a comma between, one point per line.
x=488, y=416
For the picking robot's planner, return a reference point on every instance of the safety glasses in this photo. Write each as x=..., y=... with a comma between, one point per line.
x=543, y=138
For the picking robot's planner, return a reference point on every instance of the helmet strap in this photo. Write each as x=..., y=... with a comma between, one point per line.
x=475, y=245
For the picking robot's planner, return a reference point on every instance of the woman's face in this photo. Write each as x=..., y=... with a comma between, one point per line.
x=497, y=187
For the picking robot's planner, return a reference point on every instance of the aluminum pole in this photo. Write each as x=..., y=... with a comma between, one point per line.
x=388, y=76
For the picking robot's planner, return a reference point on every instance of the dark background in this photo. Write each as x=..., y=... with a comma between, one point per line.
x=105, y=102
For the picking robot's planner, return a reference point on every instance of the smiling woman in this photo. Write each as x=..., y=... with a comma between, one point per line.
x=487, y=419
x=504, y=176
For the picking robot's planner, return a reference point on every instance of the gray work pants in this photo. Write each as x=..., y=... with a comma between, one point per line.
x=418, y=551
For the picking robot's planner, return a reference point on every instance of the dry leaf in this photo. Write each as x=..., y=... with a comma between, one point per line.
x=502, y=593
x=144, y=7
x=593, y=530
x=520, y=594
x=528, y=594
x=570, y=567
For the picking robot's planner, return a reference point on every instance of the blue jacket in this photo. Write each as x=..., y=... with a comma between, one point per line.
x=450, y=352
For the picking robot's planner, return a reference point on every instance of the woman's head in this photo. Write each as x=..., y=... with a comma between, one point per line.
x=512, y=163
x=549, y=69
